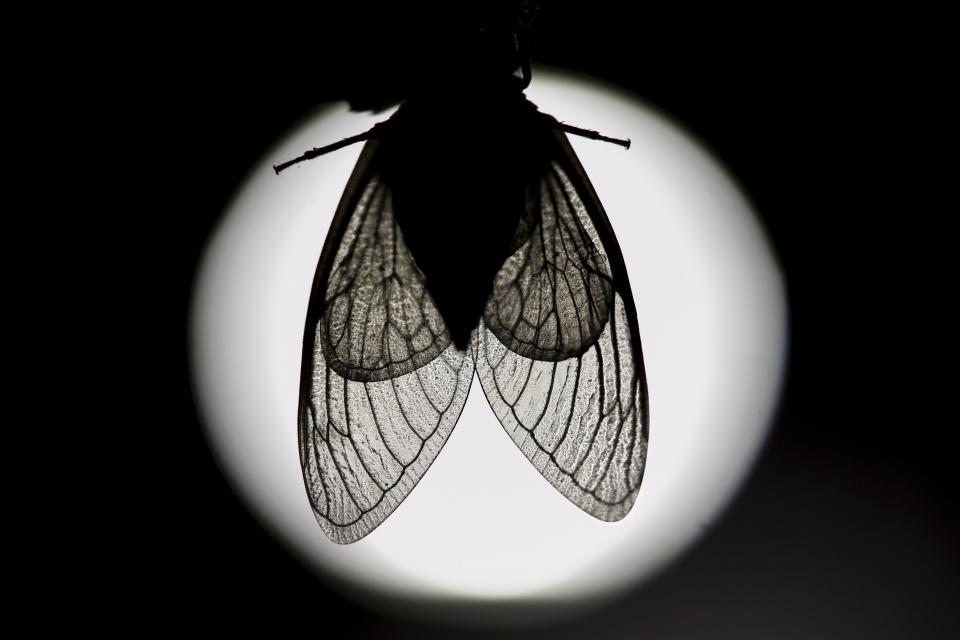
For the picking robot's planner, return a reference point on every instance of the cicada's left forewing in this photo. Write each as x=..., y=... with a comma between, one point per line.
x=558, y=350
x=382, y=384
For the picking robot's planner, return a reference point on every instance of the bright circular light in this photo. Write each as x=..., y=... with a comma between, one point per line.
x=483, y=524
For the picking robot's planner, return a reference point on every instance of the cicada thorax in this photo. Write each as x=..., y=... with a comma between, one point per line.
x=459, y=180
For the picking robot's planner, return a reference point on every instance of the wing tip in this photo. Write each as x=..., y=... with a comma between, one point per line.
x=606, y=511
x=343, y=534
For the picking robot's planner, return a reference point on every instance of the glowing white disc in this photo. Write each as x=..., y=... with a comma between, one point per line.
x=483, y=524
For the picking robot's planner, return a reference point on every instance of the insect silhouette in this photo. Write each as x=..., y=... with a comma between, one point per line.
x=469, y=240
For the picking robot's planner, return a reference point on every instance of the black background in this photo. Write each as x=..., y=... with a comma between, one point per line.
x=848, y=525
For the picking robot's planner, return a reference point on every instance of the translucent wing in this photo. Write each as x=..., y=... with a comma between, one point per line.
x=382, y=385
x=558, y=349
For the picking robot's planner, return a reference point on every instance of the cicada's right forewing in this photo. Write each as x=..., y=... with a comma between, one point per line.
x=558, y=350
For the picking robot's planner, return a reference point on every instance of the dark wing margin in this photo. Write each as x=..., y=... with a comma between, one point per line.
x=382, y=385
x=558, y=350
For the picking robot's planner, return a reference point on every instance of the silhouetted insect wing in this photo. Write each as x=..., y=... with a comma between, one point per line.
x=485, y=251
x=558, y=351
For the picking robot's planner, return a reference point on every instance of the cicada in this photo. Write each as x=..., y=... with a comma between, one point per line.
x=469, y=241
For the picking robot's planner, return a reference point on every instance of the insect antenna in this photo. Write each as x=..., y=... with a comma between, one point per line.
x=593, y=135
x=319, y=151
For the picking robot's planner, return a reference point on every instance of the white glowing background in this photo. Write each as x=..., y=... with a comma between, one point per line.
x=483, y=523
